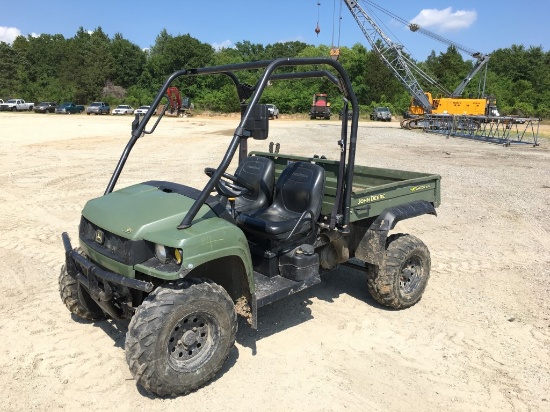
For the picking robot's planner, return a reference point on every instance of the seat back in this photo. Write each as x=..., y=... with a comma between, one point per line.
x=260, y=173
x=299, y=190
x=300, y=187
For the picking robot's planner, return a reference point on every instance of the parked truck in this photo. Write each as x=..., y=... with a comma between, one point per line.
x=16, y=105
x=183, y=262
x=69, y=108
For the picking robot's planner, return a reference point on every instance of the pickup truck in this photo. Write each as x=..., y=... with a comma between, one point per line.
x=69, y=108
x=98, y=108
x=16, y=105
x=182, y=262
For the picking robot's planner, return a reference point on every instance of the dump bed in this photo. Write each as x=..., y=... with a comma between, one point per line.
x=374, y=189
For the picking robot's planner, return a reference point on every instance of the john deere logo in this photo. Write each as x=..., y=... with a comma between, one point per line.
x=99, y=236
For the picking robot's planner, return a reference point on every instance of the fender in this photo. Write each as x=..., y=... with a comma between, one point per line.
x=372, y=246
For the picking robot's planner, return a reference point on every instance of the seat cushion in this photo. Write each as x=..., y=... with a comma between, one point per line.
x=272, y=222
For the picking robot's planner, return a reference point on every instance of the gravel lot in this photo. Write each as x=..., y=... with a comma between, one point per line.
x=478, y=340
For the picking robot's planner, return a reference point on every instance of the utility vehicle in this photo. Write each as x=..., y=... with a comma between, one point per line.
x=182, y=262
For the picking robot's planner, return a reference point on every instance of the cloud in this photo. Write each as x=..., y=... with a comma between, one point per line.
x=226, y=44
x=8, y=34
x=446, y=19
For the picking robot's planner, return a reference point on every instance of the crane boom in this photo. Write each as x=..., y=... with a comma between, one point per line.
x=390, y=53
x=482, y=60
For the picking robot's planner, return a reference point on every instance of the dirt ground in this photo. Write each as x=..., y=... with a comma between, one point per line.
x=478, y=340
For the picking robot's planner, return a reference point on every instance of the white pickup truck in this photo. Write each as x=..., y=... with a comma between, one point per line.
x=16, y=105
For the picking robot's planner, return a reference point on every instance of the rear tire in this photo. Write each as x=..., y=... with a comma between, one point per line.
x=77, y=299
x=181, y=336
x=402, y=278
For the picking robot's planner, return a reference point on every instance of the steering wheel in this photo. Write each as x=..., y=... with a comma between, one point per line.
x=232, y=186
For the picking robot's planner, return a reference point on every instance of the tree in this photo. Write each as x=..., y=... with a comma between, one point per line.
x=249, y=51
x=448, y=68
x=9, y=69
x=175, y=53
x=89, y=64
x=128, y=61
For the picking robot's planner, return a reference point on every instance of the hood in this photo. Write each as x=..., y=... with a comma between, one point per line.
x=145, y=210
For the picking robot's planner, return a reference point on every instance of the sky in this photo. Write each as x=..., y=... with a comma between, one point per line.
x=481, y=25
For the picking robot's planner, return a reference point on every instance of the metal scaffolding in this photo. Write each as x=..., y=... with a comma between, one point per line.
x=505, y=130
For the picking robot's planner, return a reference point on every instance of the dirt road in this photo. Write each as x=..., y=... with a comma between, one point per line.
x=478, y=340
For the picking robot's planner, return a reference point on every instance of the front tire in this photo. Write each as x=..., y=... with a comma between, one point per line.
x=402, y=278
x=181, y=336
x=77, y=299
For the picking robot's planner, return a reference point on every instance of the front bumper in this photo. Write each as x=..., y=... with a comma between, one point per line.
x=104, y=286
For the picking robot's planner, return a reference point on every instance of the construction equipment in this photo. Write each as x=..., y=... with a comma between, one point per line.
x=178, y=106
x=405, y=69
x=320, y=107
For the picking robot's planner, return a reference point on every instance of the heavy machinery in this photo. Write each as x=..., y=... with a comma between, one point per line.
x=320, y=107
x=178, y=106
x=405, y=70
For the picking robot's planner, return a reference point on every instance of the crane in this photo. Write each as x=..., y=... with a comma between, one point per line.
x=406, y=71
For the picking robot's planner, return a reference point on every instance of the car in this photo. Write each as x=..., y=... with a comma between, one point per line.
x=98, y=108
x=381, y=113
x=142, y=110
x=69, y=108
x=272, y=111
x=123, y=109
x=45, y=107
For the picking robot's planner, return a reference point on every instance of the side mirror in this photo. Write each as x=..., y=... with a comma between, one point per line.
x=258, y=122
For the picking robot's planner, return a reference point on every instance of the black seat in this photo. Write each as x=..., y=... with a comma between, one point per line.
x=259, y=172
x=296, y=207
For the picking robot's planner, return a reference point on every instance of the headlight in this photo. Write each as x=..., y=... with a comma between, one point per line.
x=161, y=253
x=166, y=255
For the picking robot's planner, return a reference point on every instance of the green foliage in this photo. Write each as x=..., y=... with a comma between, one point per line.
x=92, y=66
x=9, y=67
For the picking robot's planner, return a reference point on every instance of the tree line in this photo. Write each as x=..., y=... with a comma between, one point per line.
x=93, y=66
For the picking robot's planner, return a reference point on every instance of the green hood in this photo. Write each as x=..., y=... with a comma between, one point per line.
x=145, y=210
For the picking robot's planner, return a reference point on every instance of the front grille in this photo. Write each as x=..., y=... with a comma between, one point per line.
x=129, y=252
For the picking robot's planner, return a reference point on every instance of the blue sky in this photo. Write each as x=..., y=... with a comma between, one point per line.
x=483, y=25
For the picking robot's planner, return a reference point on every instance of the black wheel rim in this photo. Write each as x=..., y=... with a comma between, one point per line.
x=411, y=275
x=190, y=344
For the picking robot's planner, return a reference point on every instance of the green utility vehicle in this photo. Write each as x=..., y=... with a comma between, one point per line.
x=182, y=262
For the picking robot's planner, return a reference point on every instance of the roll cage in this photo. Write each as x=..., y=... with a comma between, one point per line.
x=254, y=123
